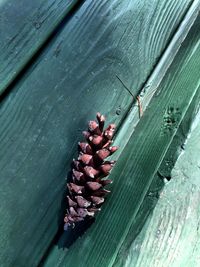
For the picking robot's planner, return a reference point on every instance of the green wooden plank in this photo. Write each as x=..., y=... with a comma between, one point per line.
x=129, y=253
x=171, y=235
x=153, y=82
x=42, y=118
x=174, y=150
x=140, y=160
x=24, y=27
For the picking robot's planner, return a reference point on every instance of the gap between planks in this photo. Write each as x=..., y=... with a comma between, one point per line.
x=171, y=156
x=20, y=73
x=150, y=88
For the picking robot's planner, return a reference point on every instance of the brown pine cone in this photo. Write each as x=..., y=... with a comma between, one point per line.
x=86, y=191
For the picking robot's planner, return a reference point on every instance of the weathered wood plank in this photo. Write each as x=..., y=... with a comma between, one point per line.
x=171, y=235
x=40, y=125
x=24, y=27
x=140, y=160
x=175, y=147
x=129, y=252
x=153, y=82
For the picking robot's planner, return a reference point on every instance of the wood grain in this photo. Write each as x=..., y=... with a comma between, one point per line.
x=154, y=80
x=127, y=256
x=171, y=235
x=139, y=161
x=43, y=116
x=24, y=27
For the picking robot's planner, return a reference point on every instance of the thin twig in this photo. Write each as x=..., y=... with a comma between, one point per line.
x=137, y=98
x=125, y=87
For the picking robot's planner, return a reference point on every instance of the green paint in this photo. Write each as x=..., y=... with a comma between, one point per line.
x=44, y=113
x=140, y=160
x=171, y=235
x=130, y=257
x=24, y=28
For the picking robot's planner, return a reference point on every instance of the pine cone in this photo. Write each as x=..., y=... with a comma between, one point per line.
x=86, y=191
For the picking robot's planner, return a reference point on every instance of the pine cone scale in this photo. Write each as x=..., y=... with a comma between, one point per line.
x=87, y=192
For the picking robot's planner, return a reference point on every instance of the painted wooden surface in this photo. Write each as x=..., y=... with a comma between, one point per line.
x=44, y=113
x=139, y=161
x=171, y=235
x=126, y=255
x=24, y=27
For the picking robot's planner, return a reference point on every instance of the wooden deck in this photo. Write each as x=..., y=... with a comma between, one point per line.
x=59, y=63
x=170, y=236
